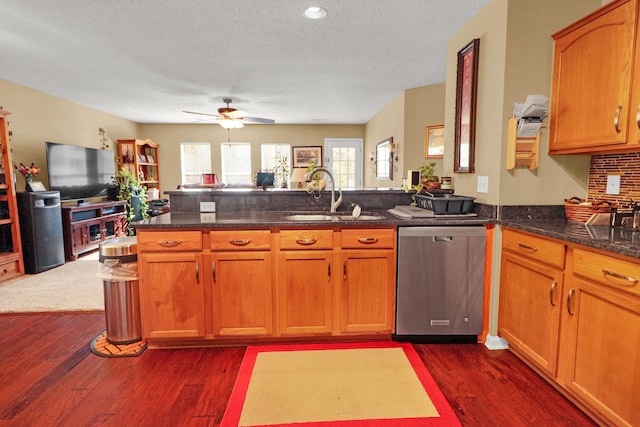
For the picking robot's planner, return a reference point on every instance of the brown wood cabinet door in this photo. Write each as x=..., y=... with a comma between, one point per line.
x=529, y=312
x=172, y=295
x=600, y=361
x=305, y=292
x=592, y=74
x=242, y=293
x=367, y=291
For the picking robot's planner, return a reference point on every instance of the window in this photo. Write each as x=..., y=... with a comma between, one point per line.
x=236, y=163
x=195, y=159
x=276, y=158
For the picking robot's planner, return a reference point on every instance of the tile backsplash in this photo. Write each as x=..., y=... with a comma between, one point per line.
x=627, y=165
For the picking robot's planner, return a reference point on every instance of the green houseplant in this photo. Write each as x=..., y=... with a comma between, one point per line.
x=135, y=195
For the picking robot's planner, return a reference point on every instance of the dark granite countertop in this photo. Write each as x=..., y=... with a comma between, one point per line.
x=251, y=219
x=618, y=240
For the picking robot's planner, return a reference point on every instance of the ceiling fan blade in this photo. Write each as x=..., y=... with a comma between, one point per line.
x=202, y=114
x=258, y=120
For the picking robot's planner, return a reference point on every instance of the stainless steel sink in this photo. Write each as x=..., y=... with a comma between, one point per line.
x=308, y=217
x=325, y=217
x=361, y=218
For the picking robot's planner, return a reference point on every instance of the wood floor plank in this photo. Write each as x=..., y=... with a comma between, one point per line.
x=67, y=385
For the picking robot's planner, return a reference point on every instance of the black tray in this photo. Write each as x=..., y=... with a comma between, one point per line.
x=445, y=203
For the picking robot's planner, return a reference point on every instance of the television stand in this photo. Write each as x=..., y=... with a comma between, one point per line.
x=86, y=225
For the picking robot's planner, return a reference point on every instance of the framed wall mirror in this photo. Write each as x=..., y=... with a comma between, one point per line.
x=384, y=159
x=466, y=94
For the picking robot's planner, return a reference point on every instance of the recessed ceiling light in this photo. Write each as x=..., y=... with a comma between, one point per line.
x=315, y=12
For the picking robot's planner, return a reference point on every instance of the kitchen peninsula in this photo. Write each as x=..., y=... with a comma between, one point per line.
x=247, y=273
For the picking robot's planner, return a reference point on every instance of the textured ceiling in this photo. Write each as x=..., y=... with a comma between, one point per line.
x=147, y=60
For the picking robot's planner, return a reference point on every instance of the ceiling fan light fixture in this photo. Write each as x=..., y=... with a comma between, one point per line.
x=315, y=12
x=231, y=124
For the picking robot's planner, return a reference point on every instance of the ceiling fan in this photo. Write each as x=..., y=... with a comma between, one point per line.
x=231, y=118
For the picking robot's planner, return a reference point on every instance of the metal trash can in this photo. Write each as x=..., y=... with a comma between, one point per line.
x=119, y=271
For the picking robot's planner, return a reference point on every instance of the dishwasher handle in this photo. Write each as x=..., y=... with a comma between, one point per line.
x=445, y=239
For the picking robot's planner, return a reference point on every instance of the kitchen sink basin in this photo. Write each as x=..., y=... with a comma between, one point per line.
x=361, y=218
x=325, y=217
x=308, y=217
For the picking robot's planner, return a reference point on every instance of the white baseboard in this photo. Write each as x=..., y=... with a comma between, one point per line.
x=495, y=343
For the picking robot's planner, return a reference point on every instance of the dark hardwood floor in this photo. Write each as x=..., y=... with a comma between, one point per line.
x=49, y=377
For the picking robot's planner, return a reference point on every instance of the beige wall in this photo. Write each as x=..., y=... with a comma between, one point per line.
x=405, y=118
x=515, y=60
x=170, y=136
x=424, y=106
x=388, y=122
x=38, y=117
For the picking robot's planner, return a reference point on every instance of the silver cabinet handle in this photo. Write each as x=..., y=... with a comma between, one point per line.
x=169, y=243
x=530, y=248
x=329, y=272
x=616, y=119
x=620, y=276
x=213, y=271
x=306, y=242
x=197, y=273
x=344, y=270
x=552, y=292
x=368, y=240
x=569, y=298
x=240, y=242
x=638, y=117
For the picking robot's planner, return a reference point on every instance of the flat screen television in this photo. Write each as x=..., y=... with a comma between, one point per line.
x=79, y=172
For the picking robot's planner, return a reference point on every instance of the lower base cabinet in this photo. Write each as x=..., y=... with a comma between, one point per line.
x=240, y=286
x=367, y=300
x=305, y=292
x=242, y=294
x=600, y=344
x=583, y=335
x=172, y=295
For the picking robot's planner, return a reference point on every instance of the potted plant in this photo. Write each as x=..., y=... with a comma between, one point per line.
x=317, y=183
x=428, y=179
x=281, y=169
x=135, y=195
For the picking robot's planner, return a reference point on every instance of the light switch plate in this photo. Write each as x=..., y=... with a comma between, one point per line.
x=613, y=184
x=483, y=184
x=207, y=206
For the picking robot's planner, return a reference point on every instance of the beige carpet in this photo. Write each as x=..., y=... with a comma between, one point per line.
x=73, y=286
x=350, y=385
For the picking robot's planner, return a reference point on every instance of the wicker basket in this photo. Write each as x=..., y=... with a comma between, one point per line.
x=577, y=210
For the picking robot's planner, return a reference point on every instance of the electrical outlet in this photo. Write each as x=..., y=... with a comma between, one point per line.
x=613, y=184
x=483, y=184
x=207, y=206
x=207, y=217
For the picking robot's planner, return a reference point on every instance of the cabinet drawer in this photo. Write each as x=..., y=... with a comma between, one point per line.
x=537, y=248
x=169, y=241
x=306, y=239
x=235, y=240
x=368, y=238
x=9, y=270
x=614, y=272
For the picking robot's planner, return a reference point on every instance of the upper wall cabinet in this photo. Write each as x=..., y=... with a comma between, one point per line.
x=595, y=102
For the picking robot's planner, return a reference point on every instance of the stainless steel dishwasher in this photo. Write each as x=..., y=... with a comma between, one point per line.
x=440, y=283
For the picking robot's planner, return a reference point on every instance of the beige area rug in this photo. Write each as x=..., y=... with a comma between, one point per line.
x=346, y=384
x=73, y=286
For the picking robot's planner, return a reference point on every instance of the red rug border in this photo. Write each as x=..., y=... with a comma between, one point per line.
x=447, y=416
